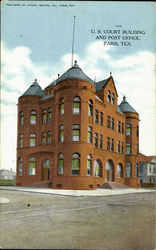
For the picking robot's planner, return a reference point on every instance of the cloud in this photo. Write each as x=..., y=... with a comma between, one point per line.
x=133, y=74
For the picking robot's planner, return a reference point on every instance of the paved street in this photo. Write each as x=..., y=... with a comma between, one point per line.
x=46, y=221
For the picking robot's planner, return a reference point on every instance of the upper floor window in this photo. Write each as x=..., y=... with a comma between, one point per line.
x=101, y=141
x=89, y=165
x=20, y=167
x=101, y=118
x=122, y=128
x=89, y=134
x=118, y=146
x=60, y=164
x=128, y=148
x=61, y=106
x=113, y=99
x=112, y=144
x=76, y=105
x=128, y=129
x=108, y=143
x=96, y=119
x=90, y=108
x=44, y=115
x=75, y=164
x=43, y=138
x=32, y=140
x=49, y=137
x=122, y=147
x=108, y=96
x=95, y=140
x=21, y=141
x=33, y=117
x=137, y=130
x=21, y=118
x=136, y=171
x=137, y=149
x=118, y=126
x=32, y=166
x=61, y=133
x=108, y=121
x=112, y=123
x=49, y=115
x=128, y=170
x=76, y=132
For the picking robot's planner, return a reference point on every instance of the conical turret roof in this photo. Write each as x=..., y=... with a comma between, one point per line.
x=34, y=90
x=75, y=72
x=126, y=107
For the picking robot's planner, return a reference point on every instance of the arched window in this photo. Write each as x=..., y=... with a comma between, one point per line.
x=49, y=115
x=90, y=108
x=44, y=115
x=75, y=164
x=21, y=118
x=61, y=106
x=128, y=129
x=20, y=167
x=46, y=164
x=76, y=105
x=33, y=117
x=89, y=139
x=21, y=141
x=89, y=165
x=119, y=171
x=31, y=166
x=32, y=140
x=128, y=170
x=113, y=99
x=97, y=168
x=61, y=133
x=60, y=164
x=108, y=96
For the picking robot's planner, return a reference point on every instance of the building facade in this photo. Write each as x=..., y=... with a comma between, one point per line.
x=74, y=135
x=147, y=169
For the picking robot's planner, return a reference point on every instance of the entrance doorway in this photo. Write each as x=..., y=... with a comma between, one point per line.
x=109, y=170
x=46, y=170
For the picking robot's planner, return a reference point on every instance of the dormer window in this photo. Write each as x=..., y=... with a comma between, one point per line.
x=108, y=96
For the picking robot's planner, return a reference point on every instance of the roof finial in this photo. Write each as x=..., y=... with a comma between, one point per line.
x=73, y=42
x=110, y=73
x=35, y=80
x=124, y=98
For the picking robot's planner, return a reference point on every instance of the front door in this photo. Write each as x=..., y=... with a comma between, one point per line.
x=46, y=174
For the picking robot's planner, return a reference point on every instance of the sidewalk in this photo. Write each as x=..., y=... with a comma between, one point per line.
x=78, y=193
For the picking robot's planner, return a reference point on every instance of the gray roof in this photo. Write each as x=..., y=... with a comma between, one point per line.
x=126, y=107
x=34, y=90
x=74, y=72
x=119, y=110
x=101, y=84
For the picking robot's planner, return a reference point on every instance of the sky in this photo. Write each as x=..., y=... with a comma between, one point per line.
x=36, y=42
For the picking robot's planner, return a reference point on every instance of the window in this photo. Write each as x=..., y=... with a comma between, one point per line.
x=118, y=146
x=95, y=140
x=33, y=117
x=108, y=121
x=76, y=105
x=136, y=171
x=90, y=108
x=137, y=130
x=108, y=96
x=43, y=138
x=49, y=115
x=60, y=164
x=76, y=132
x=128, y=129
x=21, y=141
x=108, y=143
x=32, y=140
x=128, y=148
x=49, y=137
x=89, y=165
x=31, y=166
x=122, y=147
x=101, y=118
x=61, y=106
x=75, y=164
x=113, y=99
x=122, y=128
x=128, y=170
x=118, y=126
x=44, y=116
x=61, y=133
x=137, y=149
x=21, y=118
x=20, y=167
x=97, y=168
x=112, y=144
x=101, y=141
x=96, y=120
x=89, y=134
x=112, y=123
x=48, y=92
x=119, y=171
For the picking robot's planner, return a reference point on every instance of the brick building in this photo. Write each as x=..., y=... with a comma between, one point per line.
x=74, y=135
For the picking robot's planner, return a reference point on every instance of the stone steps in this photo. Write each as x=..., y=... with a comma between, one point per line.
x=114, y=185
